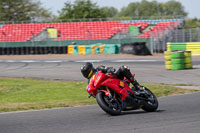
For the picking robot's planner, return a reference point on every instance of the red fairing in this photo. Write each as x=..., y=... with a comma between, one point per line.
x=118, y=86
x=95, y=82
x=110, y=81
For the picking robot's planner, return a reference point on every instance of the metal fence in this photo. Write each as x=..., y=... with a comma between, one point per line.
x=159, y=42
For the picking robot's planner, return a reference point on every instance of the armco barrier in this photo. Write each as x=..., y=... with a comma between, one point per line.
x=194, y=47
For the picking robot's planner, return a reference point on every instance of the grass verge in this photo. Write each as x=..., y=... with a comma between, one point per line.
x=28, y=94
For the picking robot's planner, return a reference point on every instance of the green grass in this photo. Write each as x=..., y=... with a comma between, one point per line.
x=28, y=94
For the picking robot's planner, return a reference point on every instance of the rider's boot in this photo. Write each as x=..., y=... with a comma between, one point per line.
x=137, y=88
x=129, y=76
x=126, y=72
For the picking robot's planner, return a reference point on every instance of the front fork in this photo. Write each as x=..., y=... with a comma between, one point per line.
x=114, y=102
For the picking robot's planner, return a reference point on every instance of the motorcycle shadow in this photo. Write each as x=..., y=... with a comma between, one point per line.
x=140, y=112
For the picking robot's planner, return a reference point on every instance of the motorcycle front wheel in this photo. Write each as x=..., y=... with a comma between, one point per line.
x=152, y=104
x=109, y=105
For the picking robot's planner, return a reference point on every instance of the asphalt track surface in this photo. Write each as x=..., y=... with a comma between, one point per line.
x=147, y=70
x=176, y=114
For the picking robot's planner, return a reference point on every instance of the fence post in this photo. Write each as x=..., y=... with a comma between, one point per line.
x=164, y=41
x=183, y=31
x=190, y=32
x=89, y=37
x=198, y=34
x=151, y=40
x=158, y=41
x=4, y=39
x=176, y=33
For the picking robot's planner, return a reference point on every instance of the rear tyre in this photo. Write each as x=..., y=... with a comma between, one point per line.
x=111, y=107
x=152, y=104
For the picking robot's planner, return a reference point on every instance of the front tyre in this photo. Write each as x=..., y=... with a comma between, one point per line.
x=152, y=104
x=109, y=105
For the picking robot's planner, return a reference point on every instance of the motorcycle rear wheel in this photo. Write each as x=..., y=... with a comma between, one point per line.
x=152, y=105
x=111, y=107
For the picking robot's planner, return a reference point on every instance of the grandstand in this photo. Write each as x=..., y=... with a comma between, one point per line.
x=81, y=30
x=68, y=31
x=93, y=30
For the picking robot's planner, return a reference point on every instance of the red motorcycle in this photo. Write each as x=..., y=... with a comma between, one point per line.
x=110, y=93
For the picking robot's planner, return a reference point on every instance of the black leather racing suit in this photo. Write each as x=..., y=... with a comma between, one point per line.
x=122, y=72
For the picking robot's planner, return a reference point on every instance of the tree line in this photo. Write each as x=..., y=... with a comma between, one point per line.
x=31, y=10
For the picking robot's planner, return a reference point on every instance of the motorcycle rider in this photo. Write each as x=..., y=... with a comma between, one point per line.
x=88, y=71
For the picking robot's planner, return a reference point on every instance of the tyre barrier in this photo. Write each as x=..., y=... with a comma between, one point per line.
x=194, y=47
x=70, y=49
x=94, y=49
x=33, y=50
x=168, y=62
x=178, y=60
x=188, y=59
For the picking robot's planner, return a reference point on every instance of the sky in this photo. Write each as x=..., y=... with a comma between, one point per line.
x=191, y=6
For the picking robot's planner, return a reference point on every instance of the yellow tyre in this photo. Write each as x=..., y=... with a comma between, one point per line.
x=168, y=53
x=168, y=57
x=168, y=62
x=168, y=67
x=188, y=66
x=187, y=53
x=188, y=60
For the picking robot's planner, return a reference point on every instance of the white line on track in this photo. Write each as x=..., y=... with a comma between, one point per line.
x=55, y=61
x=89, y=61
x=7, y=61
x=27, y=61
x=134, y=60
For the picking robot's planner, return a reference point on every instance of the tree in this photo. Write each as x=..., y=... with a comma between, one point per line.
x=22, y=10
x=110, y=11
x=192, y=23
x=153, y=8
x=129, y=11
x=81, y=9
x=173, y=8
